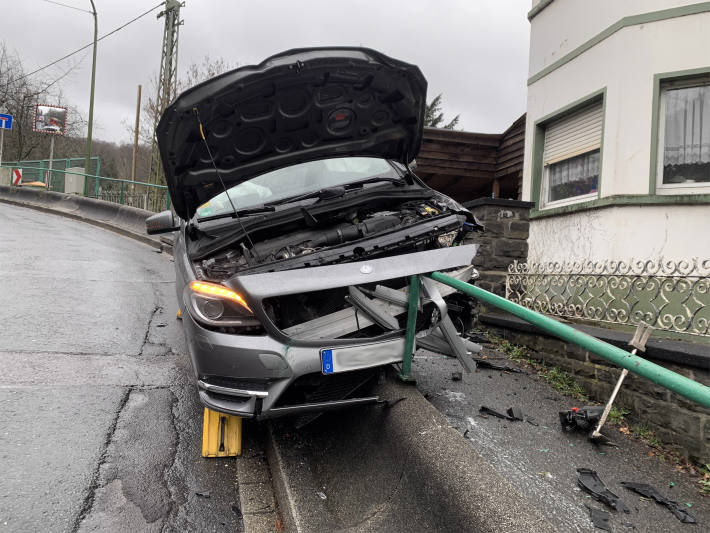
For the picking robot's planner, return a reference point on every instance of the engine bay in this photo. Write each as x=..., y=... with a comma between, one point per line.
x=375, y=229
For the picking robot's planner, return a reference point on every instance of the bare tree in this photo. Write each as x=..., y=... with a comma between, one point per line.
x=194, y=74
x=19, y=94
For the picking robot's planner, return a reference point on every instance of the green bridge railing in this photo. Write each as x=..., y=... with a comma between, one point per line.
x=67, y=176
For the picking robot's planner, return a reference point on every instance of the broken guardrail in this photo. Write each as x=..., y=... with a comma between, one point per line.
x=681, y=385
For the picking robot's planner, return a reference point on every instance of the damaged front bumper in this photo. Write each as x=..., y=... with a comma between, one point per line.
x=247, y=375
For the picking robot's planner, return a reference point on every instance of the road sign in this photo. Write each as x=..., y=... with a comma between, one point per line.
x=16, y=176
x=5, y=122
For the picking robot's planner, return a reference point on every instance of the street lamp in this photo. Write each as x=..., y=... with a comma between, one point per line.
x=87, y=161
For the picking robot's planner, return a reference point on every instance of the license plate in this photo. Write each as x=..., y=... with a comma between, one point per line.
x=348, y=358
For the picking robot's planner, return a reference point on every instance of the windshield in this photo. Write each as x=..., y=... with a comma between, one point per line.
x=295, y=181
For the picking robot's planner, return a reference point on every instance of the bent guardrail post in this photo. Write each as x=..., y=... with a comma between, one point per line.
x=412, y=308
x=686, y=387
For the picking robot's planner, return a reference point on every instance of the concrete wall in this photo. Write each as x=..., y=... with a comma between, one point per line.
x=649, y=231
x=625, y=64
x=565, y=24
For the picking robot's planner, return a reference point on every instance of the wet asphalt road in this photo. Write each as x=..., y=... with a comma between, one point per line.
x=100, y=426
x=541, y=461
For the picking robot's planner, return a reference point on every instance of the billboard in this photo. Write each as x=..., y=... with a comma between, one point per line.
x=50, y=119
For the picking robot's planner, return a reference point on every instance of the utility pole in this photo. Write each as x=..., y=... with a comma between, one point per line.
x=167, y=80
x=87, y=161
x=135, y=136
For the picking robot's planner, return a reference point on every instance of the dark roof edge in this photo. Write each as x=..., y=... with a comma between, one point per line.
x=535, y=11
x=503, y=202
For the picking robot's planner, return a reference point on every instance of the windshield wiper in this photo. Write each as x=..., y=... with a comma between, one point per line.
x=396, y=181
x=335, y=192
x=256, y=210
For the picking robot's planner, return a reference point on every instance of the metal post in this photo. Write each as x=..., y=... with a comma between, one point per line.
x=135, y=136
x=2, y=141
x=687, y=388
x=51, y=160
x=87, y=161
x=121, y=197
x=409, y=340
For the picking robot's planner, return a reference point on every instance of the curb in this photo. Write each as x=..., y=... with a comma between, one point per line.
x=257, y=501
x=441, y=474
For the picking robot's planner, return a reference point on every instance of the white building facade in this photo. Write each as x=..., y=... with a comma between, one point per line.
x=617, y=144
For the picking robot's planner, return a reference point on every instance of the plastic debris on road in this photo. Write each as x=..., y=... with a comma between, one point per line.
x=649, y=491
x=599, y=518
x=589, y=481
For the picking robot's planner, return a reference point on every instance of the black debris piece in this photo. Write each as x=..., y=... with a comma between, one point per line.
x=648, y=491
x=203, y=494
x=236, y=510
x=599, y=518
x=456, y=376
x=390, y=403
x=589, y=481
x=583, y=418
x=531, y=420
x=515, y=413
x=485, y=363
x=488, y=411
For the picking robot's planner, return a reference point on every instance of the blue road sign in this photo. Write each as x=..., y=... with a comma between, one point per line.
x=5, y=122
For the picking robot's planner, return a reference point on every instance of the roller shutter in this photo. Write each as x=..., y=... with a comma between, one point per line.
x=574, y=134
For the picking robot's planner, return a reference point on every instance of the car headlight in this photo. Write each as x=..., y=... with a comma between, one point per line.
x=216, y=305
x=446, y=239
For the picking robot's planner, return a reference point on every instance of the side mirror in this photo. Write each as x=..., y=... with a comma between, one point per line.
x=163, y=222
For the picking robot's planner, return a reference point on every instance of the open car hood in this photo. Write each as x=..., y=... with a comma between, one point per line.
x=297, y=106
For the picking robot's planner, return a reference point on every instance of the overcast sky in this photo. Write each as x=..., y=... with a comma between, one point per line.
x=475, y=52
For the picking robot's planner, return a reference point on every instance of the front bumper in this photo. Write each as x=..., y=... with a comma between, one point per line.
x=245, y=375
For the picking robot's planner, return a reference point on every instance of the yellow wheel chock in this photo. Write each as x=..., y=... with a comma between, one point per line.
x=221, y=434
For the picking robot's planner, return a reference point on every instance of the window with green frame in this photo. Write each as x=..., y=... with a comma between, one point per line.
x=683, y=159
x=571, y=156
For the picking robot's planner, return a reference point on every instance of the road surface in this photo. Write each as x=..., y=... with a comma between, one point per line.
x=100, y=427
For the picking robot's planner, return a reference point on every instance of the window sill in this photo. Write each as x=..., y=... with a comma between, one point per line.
x=570, y=201
x=623, y=200
x=683, y=188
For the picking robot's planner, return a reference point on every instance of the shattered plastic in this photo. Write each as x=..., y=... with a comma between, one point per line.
x=649, y=491
x=589, y=481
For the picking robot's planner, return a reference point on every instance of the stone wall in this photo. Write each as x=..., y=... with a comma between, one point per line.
x=503, y=241
x=673, y=419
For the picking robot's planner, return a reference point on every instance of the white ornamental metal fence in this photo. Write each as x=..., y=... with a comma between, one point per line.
x=668, y=295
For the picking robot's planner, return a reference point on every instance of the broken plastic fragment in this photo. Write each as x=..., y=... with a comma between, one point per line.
x=488, y=411
x=322, y=495
x=515, y=413
x=203, y=494
x=589, y=481
x=599, y=518
x=484, y=363
x=649, y=491
x=584, y=418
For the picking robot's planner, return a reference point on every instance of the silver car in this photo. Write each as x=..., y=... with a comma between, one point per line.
x=300, y=221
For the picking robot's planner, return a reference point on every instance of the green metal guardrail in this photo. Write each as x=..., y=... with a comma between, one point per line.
x=681, y=385
x=139, y=194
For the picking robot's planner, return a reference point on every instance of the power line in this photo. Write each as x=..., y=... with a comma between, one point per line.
x=67, y=5
x=88, y=45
